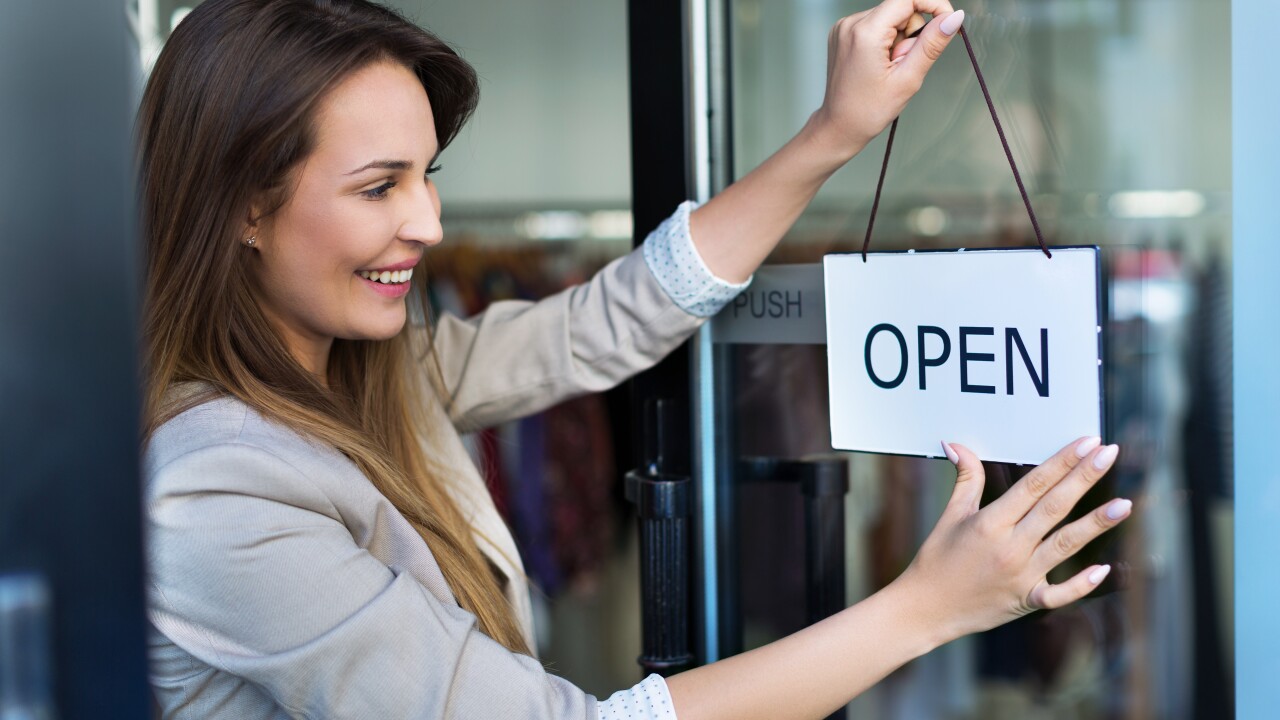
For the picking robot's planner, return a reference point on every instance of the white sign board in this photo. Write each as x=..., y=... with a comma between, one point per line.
x=999, y=350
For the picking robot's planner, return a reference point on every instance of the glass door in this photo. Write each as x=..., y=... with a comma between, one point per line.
x=1122, y=133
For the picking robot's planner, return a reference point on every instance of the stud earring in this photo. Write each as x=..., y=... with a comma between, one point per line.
x=250, y=241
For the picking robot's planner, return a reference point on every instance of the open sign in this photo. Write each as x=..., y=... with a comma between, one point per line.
x=999, y=350
x=1039, y=375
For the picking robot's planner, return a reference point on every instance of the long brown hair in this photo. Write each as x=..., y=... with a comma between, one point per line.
x=227, y=115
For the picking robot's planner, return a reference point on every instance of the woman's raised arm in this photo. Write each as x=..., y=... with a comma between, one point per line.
x=869, y=82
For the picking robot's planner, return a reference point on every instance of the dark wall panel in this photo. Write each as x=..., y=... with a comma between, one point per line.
x=69, y=498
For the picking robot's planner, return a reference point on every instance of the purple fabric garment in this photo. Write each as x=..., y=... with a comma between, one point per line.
x=530, y=513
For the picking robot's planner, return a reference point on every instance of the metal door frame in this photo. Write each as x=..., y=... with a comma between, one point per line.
x=1255, y=181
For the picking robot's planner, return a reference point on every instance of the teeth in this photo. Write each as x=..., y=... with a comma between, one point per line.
x=388, y=277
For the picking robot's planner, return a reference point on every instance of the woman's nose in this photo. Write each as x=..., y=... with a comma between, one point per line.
x=422, y=217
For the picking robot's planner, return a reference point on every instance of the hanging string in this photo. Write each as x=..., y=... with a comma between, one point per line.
x=893, y=129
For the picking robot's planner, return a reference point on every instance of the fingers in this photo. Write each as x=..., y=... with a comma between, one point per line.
x=906, y=37
x=1054, y=506
x=843, y=25
x=1015, y=504
x=847, y=22
x=896, y=13
x=901, y=49
x=1068, y=540
x=914, y=24
x=1047, y=597
x=932, y=41
x=854, y=18
x=970, y=478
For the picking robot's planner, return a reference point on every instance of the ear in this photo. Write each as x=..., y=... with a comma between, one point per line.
x=254, y=220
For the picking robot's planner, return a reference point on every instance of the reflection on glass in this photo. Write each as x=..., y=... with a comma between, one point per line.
x=1121, y=131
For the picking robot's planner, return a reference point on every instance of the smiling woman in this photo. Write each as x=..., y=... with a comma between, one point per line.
x=321, y=545
x=258, y=230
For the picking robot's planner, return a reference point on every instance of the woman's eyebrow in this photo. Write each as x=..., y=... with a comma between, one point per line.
x=392, y=164
x=385, y=165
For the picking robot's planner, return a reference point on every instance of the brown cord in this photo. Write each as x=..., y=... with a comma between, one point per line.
x=1026, y=199
x=893, y=130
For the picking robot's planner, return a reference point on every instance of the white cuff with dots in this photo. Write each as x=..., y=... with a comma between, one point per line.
x=647, y=701
x=671, y=256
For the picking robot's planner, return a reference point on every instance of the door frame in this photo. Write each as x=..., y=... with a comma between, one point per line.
x=1255, y=260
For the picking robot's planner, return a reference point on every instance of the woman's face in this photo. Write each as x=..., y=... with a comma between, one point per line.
x=333, y=261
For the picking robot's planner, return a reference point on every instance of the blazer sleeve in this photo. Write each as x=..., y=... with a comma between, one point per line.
x=254, y=573
x=519, y=357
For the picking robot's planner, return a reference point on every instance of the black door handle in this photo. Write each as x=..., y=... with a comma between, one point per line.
x=662, y=501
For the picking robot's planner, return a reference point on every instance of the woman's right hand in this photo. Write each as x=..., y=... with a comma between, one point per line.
x=982, y=567
x=872, y=71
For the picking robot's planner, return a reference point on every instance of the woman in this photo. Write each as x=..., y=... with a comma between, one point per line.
x=320, y=544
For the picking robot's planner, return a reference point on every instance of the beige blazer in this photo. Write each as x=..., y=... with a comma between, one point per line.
x=282, y=584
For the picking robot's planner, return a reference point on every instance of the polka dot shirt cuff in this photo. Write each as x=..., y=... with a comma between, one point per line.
x=671, y=256
x=647, y=701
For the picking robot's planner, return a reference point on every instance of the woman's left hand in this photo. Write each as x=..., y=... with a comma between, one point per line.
x=873, y=68
x=984, y=566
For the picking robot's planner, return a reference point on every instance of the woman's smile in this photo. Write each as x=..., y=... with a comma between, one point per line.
x=388, y=283
x=390, y=280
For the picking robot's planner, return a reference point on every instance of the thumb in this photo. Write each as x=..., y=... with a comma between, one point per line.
x=932, y=41
x=970, y=480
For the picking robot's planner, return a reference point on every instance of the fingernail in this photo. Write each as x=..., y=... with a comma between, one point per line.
x=952, y=22
x=1118, y=509
x=1099, y=575
x=1105, y=457
x=1087, y=445
x=951, y=454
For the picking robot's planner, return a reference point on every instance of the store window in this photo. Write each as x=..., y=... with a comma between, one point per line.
x=1120, y=123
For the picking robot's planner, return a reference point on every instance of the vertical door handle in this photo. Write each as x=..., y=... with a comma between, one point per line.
x=662, y=501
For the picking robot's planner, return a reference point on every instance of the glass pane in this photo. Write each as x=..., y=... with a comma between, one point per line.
x=1122, y=135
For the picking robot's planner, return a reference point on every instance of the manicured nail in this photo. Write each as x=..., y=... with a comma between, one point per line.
x=1099, y=575
x=952, y=22
x=1086, y=446
x=951, y=454
x=1118, y=509
x=1105, y=457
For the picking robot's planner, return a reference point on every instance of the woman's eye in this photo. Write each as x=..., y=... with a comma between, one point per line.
x=434, y=169
x=379, y=192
